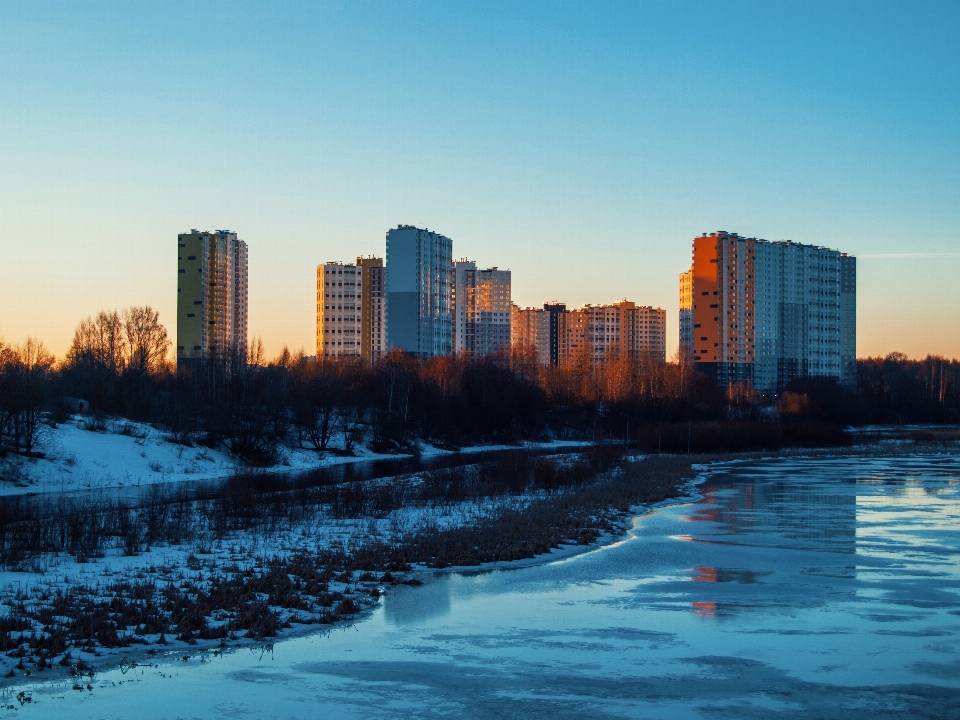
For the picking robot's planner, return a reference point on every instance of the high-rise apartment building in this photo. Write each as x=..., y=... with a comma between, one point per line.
x=643, y=332
x=686, y=312
x=351, y=310
x=769, y=312
x=555, y=311
x=339, y=298
x=463, y=289
x=481, y=309
x=419, y=294
x=530, y=332
x=211, y=296
x=574, y=349
x=373, y=304
x=601, y=331
x=594, y=334
x=848, y=320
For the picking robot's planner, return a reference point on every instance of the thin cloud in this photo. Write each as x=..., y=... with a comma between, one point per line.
x=883, y=256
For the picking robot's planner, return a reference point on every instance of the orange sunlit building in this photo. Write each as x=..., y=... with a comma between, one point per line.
x=351, y=309
x=592, y=334
x=768, y=312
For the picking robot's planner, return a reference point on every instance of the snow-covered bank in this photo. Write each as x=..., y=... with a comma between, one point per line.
x=88, y=454
x=205, y=564
x=183, y=571
x=297, y=565
x=730, y=608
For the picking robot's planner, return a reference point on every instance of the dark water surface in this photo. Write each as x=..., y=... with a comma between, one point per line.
x=790, y=588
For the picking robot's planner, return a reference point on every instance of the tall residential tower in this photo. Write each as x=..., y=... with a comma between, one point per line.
x=338, y=310
x=211, y=296
x=419, y=297
x=769, y=312
x=481, y=309
x=530, y=333
x=686, y=312
x=373, y=308
x=351, y=310
x=554, y=311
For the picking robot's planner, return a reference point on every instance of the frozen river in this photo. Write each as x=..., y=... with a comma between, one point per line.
x=807, y=588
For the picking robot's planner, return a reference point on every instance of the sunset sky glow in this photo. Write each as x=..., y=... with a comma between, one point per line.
x=581, y=145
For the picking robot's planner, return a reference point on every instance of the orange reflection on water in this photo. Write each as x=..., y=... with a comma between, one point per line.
x=707, y=574
x=705, y=609
x=725, y=575
x=731, y=511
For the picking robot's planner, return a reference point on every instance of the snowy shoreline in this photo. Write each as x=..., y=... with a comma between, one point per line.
x=229, y=550
x=176, y=651
x=84, y=453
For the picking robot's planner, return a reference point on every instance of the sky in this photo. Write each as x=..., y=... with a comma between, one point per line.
x=582, y=145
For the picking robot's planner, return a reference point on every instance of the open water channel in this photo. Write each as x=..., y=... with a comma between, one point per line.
x=793, y=588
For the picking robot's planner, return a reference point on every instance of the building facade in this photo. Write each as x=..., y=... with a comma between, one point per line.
x=643, y=332
x=481, y=309
x=530, y=332
x=339, y=307
x=555, y=311
x=594, y=334
x=419, y=291
x=464, y=289
x=848, y=320
x=686, y=312
x=769, y=312
x=351, y=309
x=212, y=293
x=373, y=308
x=601, y=332
x=574, y=352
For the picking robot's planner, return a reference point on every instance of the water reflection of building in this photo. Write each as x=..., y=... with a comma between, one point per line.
x=415, y=605
x=770, y=521
x=822, y=513
x=724, y=575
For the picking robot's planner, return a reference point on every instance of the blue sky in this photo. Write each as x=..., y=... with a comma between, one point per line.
x=582, y=145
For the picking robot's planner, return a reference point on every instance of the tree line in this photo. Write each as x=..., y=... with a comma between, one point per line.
x=119, y=362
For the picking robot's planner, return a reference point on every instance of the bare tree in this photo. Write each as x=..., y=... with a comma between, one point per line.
x=145, y=340
x=255, y=353
x=99, y=341
x=317, y=399
x=6, y=397
x=25, y=385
